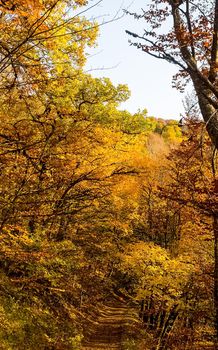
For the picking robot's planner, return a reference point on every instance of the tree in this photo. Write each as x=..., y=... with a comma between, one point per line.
x=60, y=163
x=41, y=40
x=172, y=292
x=63, y=168
x=192, y=45
x=174, y=212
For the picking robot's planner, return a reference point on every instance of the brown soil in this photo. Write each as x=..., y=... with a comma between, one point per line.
x=114, y=323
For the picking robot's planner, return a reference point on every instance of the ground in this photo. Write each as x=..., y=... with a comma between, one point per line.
x=115, y=325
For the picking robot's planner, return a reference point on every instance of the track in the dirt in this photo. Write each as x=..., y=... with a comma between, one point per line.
x=112, y=325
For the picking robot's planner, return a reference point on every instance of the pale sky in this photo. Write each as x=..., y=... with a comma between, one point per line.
x=148, y=79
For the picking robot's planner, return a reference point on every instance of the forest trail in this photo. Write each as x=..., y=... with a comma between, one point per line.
x=114, y=323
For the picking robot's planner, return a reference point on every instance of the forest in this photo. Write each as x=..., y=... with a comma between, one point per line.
x=106, y=216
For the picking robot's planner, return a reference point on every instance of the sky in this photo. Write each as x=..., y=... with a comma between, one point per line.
x=149, y=79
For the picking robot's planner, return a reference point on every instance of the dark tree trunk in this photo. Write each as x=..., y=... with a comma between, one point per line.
x=215, y=230
x=208, y=111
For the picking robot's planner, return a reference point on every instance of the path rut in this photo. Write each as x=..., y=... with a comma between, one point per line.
x=114, y=323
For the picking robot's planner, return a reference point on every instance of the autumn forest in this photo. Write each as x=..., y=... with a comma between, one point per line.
x=109, y=220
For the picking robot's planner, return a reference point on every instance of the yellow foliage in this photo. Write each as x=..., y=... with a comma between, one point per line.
x=156, y=272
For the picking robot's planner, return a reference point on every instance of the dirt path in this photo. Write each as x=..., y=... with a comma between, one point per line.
x=114, y=323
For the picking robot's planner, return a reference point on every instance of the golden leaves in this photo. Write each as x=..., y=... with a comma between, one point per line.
x=156, y=272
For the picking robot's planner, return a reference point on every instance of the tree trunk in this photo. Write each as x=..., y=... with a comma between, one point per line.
x=167, y=326
x=215, y=230
x=208, y=111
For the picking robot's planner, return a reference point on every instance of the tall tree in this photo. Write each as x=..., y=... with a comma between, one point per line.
x=191, y=43
x=40, y=40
